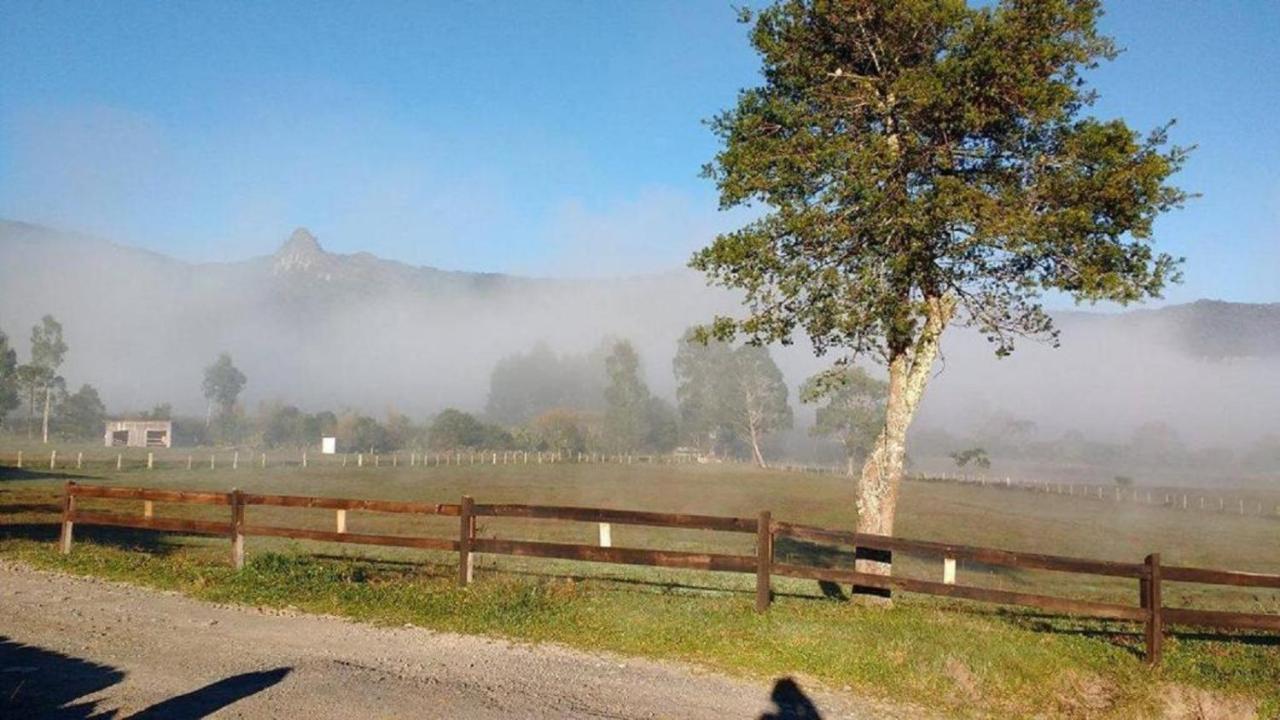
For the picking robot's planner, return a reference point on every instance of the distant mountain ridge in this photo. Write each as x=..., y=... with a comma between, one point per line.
x=328, y=330
x=1213, y=329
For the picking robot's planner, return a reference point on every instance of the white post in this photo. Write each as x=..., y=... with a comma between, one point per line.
x=264, y=461
x=79, y=459
x=342, y=521
x=148, y=509
x=151, y=460
x=235, y=460
x=53, y=459
x=304, y=458
x=188, y=462
x=606, y=535
x=19, y=459
x=949, y=571
x=359, y=459
x=119, y=460
x=212, y=458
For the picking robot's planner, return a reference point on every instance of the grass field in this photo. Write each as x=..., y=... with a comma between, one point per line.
x=960, y=658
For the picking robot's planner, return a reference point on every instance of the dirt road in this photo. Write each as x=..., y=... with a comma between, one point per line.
x=80, y=648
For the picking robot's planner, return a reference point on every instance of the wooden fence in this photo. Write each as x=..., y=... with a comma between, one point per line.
x=1149, y=574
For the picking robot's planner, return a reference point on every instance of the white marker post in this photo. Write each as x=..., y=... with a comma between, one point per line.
x=606, y=535
x=949, y=571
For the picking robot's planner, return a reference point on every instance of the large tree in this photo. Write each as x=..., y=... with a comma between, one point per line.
x=729, y=394
x=223, y=382
x=81, y=414
x=626, y=400
x=851, y=410
x=921, y=163
x=40, y=376
x=8, y=378
x=759, y=404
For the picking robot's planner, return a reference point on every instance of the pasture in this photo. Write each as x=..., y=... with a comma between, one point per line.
x=960, y=657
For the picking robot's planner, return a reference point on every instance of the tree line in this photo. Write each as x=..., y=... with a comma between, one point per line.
x=36, y=386
x=730, y=403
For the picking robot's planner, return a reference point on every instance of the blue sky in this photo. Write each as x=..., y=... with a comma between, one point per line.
x=534, y=137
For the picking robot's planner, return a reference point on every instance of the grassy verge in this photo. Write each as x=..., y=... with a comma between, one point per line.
x=952, y=657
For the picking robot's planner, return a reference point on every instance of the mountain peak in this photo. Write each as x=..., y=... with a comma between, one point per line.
x=301, y=252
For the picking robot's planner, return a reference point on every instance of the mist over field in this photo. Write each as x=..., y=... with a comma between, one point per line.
x=327, y=331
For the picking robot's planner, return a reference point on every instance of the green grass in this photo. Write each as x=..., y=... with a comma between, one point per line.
x=961, y=658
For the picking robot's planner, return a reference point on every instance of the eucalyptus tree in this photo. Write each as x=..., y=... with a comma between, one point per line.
x=919, y=163
x=851, y=409
x=40, y=376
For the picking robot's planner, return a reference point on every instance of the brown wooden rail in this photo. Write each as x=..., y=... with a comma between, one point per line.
x=1150, y=574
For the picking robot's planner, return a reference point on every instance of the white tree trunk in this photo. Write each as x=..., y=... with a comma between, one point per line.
x=909, y=373
x=44, y=428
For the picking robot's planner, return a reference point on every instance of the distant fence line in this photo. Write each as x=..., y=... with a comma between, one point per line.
x=53, y=460
x=1181, y=499
x=1163, y=497
x=1150, y=574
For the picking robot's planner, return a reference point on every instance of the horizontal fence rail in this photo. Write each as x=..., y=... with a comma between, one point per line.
x=1149, y=574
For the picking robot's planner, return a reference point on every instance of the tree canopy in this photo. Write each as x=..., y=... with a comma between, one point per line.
x=923, y=152
x=924, y=162
x=851, y=410
x=730, y=396
x=223, y=382
x=81, y=414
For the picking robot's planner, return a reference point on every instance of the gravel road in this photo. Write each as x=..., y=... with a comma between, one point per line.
x=83, y=648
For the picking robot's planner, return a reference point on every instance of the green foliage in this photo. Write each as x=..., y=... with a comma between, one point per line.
x=703, y=388
x=852, y=409
x=223, y=382
x=626, y=397
x=8, y=378
x=910, y=151
x=977, y=456
x=81, y=414
x=523, y=386
x=287, y=426
x=559, y=430
x=48, y=349
x=367, y=435
x=730, y=398
x=453, y=429
x=663, y=426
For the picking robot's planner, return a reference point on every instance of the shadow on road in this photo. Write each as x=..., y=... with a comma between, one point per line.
x=790, y=703
x=40, y=683
x=215, y=696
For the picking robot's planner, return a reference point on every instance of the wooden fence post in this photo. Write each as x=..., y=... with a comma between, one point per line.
x=237, y=529
x=68, y=512
x=466, y=533
x=764, y=560
x=1155, y=617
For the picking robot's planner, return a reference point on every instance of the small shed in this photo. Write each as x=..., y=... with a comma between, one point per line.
x=139, y=433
